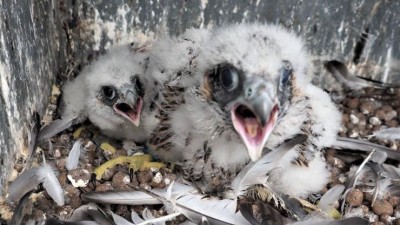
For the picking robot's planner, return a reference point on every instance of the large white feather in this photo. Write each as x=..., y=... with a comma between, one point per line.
x=51, y=184
x=73, y=156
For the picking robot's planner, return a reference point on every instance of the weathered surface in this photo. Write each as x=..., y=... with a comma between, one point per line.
x=44, y=40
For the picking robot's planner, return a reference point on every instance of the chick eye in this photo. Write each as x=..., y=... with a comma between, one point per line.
x=109, y=92
x=138, y=85
x=286, y=73
x=229, y=78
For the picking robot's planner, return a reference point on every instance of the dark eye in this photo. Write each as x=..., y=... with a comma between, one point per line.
x=229, y=78
x=138, y=85
x=286, y=73
x=109, y=92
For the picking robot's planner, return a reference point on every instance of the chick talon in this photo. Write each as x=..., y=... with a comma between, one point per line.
x=136, y=162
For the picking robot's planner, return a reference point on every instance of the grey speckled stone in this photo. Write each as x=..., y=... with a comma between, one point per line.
x=44, y=40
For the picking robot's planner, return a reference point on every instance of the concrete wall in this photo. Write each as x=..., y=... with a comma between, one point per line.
x=41, y=41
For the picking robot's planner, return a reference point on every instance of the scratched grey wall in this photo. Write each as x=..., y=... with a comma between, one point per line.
x=42, y=42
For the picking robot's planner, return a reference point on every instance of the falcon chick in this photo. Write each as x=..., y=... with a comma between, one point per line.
x=235, y=91
x=114, y=94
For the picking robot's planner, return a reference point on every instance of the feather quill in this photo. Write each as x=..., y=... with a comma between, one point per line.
x=392, y=133
x=73, y=156
x=364, y=146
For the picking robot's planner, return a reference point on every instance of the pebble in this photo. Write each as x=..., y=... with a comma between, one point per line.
x=72, y=196
x=396, y=221
x=106, y=186
x=121, y=181
x=157, y=178
x=354, y=119
x=382, y=207
x=353, y=103
x=79, y=177
x=354, y=197
x=145, y=176
x=386, y=219
x=367, y=107
x=374, y=121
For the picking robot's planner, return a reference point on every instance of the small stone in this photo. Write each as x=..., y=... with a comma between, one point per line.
x=145, y=176
x=367, y=107
x=145, y=186
x=60, y=164
x=385, y=218
x=108, y=174
x=355, y=197
x=352, y=133
x=396, y=221
x=79, y=177
x=338, y=163
x=380, y=114
x=121, y=181
x=374, y=121
x=157, y=178
x=353, y=103
x=119, y=153
x=72, y=196
x=345, y=118
x=392, y=123
x=365, y=209
x=394, y=200
x=106, y=186
x=382, y=207
x=57, y=153
x=390, y=115
x=62, y=178
x=168, y=178
x=354, y=119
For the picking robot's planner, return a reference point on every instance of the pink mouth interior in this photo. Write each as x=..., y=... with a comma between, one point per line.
x=131, y=114
x=250, y=129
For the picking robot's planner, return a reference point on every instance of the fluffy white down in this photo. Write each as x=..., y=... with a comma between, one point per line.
x=82, y=95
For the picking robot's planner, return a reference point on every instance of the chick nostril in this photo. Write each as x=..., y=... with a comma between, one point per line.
x=249, y=92
x=123, y=107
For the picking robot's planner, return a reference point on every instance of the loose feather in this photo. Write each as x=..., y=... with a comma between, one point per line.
x=256, y=172
x=348, y=221
x=20, y=210
x=330, y=197
x=51, y=184
x=73, y=156
x=364, y=146
x=53, y=221
x=136, y=218
x=392, y=133
x=120, y=220
x=348, y=80
x=24, y=183
x=55, y=127
x=121, y=197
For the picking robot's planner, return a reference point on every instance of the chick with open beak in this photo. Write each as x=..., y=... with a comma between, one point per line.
x=130, y=103
x=253, y=103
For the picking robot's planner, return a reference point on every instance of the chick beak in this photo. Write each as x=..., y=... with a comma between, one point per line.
x=129, y=105
x=255, y=117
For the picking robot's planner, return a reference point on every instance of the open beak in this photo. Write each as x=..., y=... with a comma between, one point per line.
x=255, y=117
x=129, y=105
